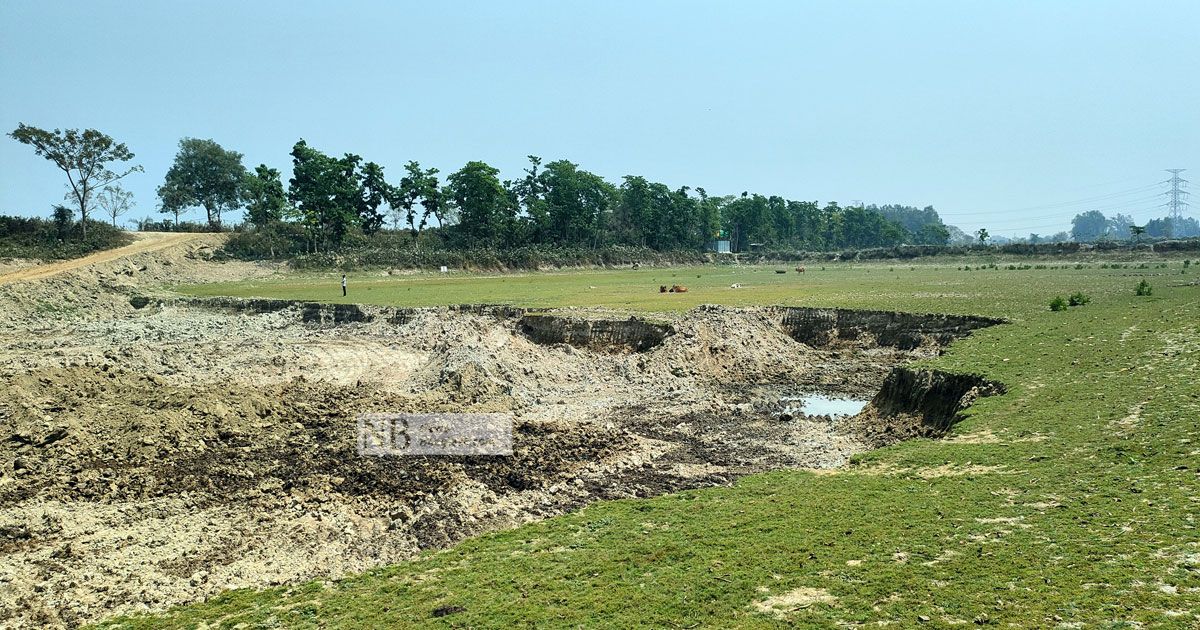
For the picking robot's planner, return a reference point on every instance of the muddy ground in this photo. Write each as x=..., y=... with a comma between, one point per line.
x=158, y=455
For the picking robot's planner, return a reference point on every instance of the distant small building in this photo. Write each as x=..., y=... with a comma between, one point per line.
x=719, y=242
x=718, y=246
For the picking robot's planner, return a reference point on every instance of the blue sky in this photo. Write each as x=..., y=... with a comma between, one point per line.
x=1007, y=115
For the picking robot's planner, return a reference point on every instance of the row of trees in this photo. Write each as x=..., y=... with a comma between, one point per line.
x=557, y=202
x=1093, y=225
x=554, y=203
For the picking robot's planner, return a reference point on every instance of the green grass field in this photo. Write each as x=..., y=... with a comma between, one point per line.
x=1072, y=499
x=925, y=288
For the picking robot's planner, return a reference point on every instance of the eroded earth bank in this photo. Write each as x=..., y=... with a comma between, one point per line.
x=155, y=451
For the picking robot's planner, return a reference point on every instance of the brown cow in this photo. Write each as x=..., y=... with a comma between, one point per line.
x=678, y=289
x=800, y=269
x=662, y=288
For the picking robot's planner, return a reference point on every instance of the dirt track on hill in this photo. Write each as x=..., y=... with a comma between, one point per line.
x=159, y=455
x=146, y=242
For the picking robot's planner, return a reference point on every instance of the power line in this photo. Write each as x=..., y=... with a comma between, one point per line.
x=1132, y=206
x=1063, y=204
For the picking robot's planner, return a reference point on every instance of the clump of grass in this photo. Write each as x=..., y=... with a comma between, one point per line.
x=1078, y=298
x=1144, y=288
x=1058, y=304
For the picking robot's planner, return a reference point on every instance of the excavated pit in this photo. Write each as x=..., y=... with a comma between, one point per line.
x=193, y=445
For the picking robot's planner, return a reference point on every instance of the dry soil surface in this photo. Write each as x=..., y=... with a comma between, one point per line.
x=156, y=456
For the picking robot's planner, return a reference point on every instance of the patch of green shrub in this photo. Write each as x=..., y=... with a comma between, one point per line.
x=1058, y=304
x=58, y=238
x=1078, y=299
x=148, y=224
x=1144, y=288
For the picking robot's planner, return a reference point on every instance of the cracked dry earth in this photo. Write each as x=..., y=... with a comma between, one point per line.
x=156, y=456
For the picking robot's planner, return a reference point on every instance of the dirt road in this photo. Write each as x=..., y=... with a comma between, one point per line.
x=146, y=242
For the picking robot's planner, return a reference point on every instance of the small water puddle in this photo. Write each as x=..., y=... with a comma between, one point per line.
x=822, y=405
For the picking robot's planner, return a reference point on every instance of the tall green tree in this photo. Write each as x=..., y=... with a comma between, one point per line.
x=84, y=157
x=204, y=174
x=809, y=224
x=530, y=193
x=576, y=203
x=263, y=195
x=709, y=215
x=676, y=219
x=633, y=211
x=485, y=209
x=374, y=192
x=419, y=187
x=325, y=194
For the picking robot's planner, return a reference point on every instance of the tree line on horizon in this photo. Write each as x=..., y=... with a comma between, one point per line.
x=557, y=203
x=1093, y=226
x=550, y=203
x=329, y=198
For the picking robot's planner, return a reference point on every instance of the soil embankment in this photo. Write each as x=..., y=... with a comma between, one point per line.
x=147, y=242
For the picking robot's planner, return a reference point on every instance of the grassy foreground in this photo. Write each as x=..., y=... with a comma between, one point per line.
x=1070, y=501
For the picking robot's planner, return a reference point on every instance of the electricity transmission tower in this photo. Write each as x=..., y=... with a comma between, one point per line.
x=1176, y=198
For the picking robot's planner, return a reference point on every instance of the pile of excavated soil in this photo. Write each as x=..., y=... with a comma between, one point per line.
x=156, y=456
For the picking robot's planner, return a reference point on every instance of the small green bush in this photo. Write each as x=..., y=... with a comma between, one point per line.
x=1144, y=288
x=1058, y=304
x=1078, y=299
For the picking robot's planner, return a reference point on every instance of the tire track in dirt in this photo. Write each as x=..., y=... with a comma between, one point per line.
x=146, y=242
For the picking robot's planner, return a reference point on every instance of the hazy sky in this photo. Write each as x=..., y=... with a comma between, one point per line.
x=1000, y=114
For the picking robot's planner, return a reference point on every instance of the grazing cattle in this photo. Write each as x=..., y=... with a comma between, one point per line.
x=678, y=289
x=781, y=271
x=800, y=269
x=662, y=288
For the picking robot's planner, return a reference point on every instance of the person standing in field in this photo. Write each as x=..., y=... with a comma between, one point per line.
x=343, y=285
